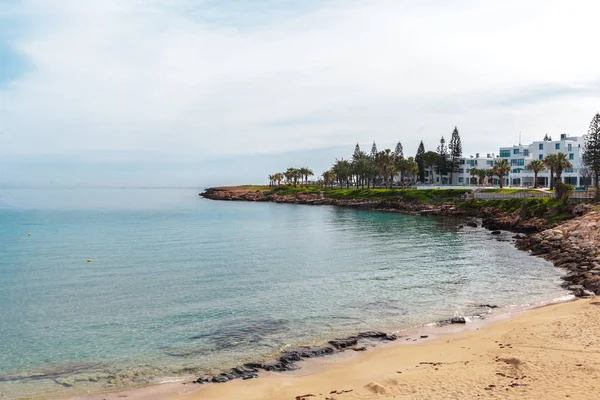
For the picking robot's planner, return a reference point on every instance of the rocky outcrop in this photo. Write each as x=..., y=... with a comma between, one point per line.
x=288, y=360
x=575, y=246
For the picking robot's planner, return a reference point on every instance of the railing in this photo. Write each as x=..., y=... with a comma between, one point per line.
x=506, y=196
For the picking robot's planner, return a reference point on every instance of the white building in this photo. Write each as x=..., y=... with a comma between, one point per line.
x=463, y=176
x=519, y=156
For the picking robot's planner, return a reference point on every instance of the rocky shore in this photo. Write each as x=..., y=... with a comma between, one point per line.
x=575, y=246
x=492, y=218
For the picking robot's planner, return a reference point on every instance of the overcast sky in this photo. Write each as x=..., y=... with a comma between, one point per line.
x=227, y=91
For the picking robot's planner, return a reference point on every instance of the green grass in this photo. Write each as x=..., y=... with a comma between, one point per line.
x=429, y=196
x=553, y=209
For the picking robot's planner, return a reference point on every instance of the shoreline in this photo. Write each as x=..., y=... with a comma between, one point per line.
x=379, y=367
x=290, y=363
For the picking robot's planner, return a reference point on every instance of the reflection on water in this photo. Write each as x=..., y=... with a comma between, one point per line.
x=182, y=285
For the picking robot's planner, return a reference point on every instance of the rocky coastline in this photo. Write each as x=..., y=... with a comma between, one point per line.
x=573, y=245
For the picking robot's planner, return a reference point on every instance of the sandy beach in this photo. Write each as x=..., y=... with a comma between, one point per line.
x=551, y=352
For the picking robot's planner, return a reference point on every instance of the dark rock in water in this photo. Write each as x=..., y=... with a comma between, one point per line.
x=363, y=348
x=253, y=366
x=290, y=358
x=372, y=334
x=580, y=291
x=458, y=320
x=519, y=237
x=243, y=371
x=496, y=232
x=472, y=224
x=203, y=379
x=344, y=343
x=321, y=351
x=249, y=376
x=461, y=226
x=424, y=336
x=488, y=306
x=220, y=379
x=391, y=336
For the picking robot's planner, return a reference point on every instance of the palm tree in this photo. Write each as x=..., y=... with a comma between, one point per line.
x=550, y=162
x=342, y=170
x=271, y=180
x=292, y=175
x=501, y=168
x=562, y=163
x=481, y=173
x=328, y=178
x=474, y=172
x=489, y=173
x=536, y=166
x=278, y=177
x=305, y=172
x=385, y=162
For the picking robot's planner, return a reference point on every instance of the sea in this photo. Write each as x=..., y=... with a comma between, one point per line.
x=103, y=288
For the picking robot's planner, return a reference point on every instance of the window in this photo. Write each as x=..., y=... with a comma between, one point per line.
x=571, y=156
x=569, y=147
x=462, y=162
x=462, y=171
x=557, y=146
x=515, y=151
x=517, y=161
x=504, y=153
x=517, y=171
x=437, y=179
x=490, y=163
x=541, y=147
x=525, y=152
x=541, y=157
x=461, y=179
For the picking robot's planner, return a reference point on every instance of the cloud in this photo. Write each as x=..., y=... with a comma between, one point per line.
x=202, y=79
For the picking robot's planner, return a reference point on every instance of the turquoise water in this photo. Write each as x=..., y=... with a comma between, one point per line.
x=181, y=285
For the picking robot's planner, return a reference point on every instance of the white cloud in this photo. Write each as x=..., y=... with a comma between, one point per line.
x=193, y=79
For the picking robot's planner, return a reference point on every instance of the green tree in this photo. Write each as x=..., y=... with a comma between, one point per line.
x=560, y=164
x=442, y=158
x=374, y=151
x=591, y=151
x=430, y=160
x=455, y=149
x=481, y=174
x=419, y=161
x=501, y=168
x=305, y=172
x=343, y=171
x=489, y=173
x=536, y=166
x=399, y=152
x=328, y=178
x=550, y=162
x=474, y=172
x=357, y=152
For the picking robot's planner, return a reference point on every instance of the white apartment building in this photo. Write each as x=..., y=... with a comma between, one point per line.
x=519, y=156
x=463, y=176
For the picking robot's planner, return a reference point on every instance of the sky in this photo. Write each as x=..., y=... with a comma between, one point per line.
x=203, y=92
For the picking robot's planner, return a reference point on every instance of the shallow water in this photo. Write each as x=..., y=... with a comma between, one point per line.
x=180, y=285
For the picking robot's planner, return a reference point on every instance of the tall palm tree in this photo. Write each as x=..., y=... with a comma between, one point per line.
x=561, y=163
x=550, y=162
x=328, y=178
x=305, y=172
x=271, y=180
x=501, y=168
x=343, y=170
x=536, y=166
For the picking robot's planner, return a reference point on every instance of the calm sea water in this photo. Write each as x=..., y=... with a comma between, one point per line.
x=179, y=284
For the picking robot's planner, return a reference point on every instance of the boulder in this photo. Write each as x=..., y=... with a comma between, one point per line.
x=344, y=343
x=472, y=224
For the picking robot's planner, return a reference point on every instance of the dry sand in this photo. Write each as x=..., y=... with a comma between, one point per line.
x=547, y=353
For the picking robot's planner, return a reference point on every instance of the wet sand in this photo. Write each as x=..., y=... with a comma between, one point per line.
x=551, y=352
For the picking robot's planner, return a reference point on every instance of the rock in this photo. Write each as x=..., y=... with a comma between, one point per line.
x=249, y=376
x=391, y=336
x=472, y=224
x=488, y=306
x=584, y=293
x=458, y=320
x=575, y=288
x=372, y=334
x=363, y=348
x=220, y=379
x=496, y=232
x=344, y=343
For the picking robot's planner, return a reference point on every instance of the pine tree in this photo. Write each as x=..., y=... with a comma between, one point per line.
x=357, y=152
x=442, y=162
x=455, y=148
x=373, y=151
x=591, y=151
x=419, y=161
x=399, y=152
